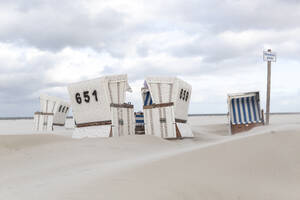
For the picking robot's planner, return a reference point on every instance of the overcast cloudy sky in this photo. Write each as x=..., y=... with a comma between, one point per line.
x=215, y=45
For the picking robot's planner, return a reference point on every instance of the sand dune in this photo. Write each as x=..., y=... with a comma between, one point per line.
x=261, y=167
x=261, y=164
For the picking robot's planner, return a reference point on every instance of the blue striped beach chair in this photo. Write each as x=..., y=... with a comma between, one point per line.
x=139, y=116
x=139, y=123
x=146, y=97
x=244, y=111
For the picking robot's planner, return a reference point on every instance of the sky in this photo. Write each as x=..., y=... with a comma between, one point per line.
x=215, y=45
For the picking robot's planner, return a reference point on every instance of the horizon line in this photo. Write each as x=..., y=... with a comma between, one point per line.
x=190, y=115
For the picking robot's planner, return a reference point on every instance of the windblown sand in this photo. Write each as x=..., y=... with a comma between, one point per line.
x=263, y=163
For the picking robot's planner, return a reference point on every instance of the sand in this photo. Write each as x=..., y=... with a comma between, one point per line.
x=263, y=163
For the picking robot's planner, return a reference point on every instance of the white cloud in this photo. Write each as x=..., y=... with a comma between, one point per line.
x=77, y=64
x=215, y=45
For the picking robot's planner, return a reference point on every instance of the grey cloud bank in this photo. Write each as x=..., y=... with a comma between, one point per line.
x=215, y=45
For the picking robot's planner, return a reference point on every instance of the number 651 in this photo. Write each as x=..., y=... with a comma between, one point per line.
x=86, y=96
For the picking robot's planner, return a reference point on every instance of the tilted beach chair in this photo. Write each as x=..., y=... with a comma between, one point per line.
x=166, y=103
x=244, y=111
x=99, y=107
x=53, y=112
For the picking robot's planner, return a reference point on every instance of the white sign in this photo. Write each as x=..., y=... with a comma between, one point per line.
x=269, y=56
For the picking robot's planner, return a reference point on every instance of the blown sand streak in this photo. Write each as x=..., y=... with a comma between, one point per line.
x=261, y=164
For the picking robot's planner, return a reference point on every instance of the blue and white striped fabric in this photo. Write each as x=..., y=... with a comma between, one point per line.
x=139, y=119
x=245, y=110
x=147, y=98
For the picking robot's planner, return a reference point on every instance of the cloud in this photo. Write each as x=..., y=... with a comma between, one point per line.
x=27, y=72
x=215, y=45
x=54, y=26
x=233, y=15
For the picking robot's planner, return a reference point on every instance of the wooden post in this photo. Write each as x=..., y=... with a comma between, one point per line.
x=268, y=92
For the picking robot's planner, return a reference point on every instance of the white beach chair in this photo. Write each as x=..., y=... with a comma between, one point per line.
x=99, y=107
x=53, y=112
x=166, y=103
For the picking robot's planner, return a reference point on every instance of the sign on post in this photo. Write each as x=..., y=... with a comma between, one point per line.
x=269, y=56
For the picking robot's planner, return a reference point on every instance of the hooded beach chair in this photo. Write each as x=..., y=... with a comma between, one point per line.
x=53, y=112
x=139, y=116
x=244, y=111
x=166, y=103
x=99, y=107
x=139, y=123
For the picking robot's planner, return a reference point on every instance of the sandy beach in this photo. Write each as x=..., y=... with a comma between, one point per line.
x=263, y=163
x=149, y=100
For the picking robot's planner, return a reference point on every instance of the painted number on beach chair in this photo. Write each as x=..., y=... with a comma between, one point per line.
x=86, y=96
x=63, y=109
x=184, y=95
x=95, y=94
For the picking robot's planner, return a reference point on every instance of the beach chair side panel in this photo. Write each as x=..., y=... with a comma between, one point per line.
x=160, y=121
x=60, y=114
x=43, y=122
x=122, y=121
x=117, y=91
x=182, y=102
